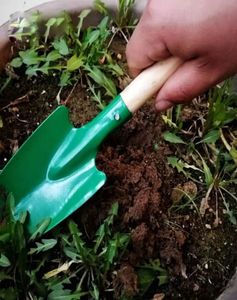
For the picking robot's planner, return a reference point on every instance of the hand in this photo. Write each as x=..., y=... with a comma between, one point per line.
x=202, y=33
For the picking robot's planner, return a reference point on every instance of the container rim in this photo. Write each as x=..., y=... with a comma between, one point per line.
x=54, y=7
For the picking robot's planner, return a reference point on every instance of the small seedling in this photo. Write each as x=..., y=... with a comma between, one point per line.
x=149, y=273
x=210, y=147
x=24, y=261
x=74, y=55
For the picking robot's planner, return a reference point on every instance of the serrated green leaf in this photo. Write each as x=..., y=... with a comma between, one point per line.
x=101, y=7
x=116, y=69
x=100, y=234
x=41, y=228
x=16, y=62
x=113, y=247
x=60, y=20
x=104, y=229
x=173, y=161
x=99, y=77
x=211, y=137
x=81, y=17
x=74, y=63
x=114, y=209
x=145, y=278
x=103, y=24
x=57, y=285
x=177, y=163
x=180, y=165
x=65, y=294
x=30, y=57
x=172, y=138
x=53, y=55
x=65, y=78
x=61, y=46
x=71, y=253
x=95, y=293
x=149, y=272
x=32, y=71
x=52, y=22
x=96, y=96
x=112, y=250
x=45, y=245
x=91, y=37
x=84, y=13
x=207, y=173
x=45, y=68
x=154, y=264
x=49, y=24
x=4, y=261
x=78, y=242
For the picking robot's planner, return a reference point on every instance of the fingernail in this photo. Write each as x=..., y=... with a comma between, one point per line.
x=163, y=105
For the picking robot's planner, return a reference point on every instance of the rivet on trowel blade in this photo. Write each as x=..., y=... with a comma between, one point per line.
x=116, y=116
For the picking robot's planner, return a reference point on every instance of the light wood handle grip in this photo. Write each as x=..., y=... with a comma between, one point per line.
x=149, y=82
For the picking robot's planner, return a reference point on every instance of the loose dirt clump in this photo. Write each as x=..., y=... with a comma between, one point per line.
x=126, y=281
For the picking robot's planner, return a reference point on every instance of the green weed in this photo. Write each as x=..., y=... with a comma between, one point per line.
x=149, y=273
x=64, y=266
x=209, y=156
x=124, y=17
x=74, y=54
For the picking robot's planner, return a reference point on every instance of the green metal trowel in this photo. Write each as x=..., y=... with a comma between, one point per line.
x=54, y=171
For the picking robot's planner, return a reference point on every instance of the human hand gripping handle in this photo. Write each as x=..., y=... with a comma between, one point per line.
x=149, y=82
x=203, y=35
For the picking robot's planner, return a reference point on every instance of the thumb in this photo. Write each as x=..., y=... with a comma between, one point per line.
x=189, y=81
x=137, y=57
x=142, y=51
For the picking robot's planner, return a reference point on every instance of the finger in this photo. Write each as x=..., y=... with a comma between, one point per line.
x=189, y=81
x=163, y=105
x=136, y=53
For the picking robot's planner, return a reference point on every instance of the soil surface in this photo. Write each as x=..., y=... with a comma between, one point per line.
x=199, y=257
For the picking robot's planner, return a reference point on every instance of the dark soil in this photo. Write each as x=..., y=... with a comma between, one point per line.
x=199, y=257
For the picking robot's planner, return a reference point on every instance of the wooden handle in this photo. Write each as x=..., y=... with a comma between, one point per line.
x=149, y=82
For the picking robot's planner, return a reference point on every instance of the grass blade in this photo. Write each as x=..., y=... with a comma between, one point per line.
x=172, y=138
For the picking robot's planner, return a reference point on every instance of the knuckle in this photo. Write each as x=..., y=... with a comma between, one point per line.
x=158, y=51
